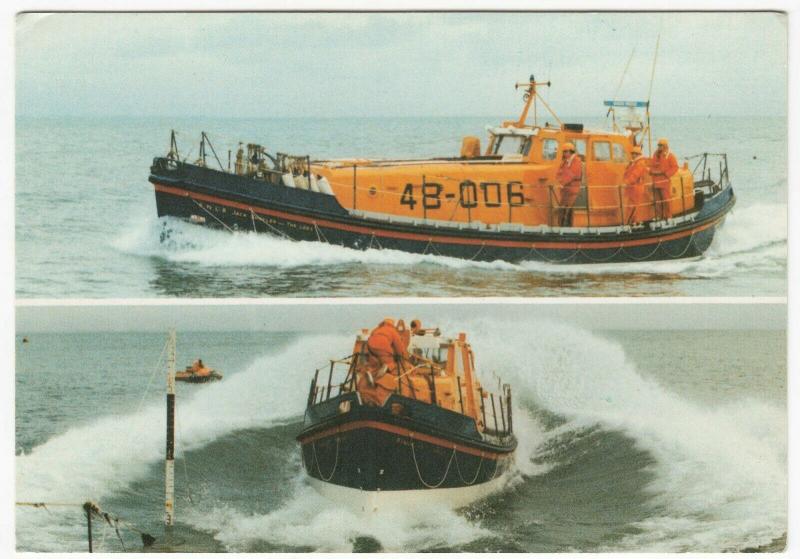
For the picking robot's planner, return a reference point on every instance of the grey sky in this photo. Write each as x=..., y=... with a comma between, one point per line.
x=394, y=64
x=320, y=316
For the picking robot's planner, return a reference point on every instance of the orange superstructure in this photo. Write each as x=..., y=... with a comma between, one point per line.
x=514, y=181
x=430, y=368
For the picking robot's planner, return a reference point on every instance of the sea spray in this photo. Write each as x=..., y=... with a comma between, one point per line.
x=311, y=522
x=753, y=236
x=720, y=473
x=106, y=456
x=717, y=477
x=177, y=241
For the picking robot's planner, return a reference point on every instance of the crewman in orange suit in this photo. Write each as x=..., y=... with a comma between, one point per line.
x=634, y=178
x=386, y=345
x=662, y=166
x=569, y=177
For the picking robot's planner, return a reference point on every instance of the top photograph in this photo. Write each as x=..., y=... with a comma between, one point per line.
x=481, y=154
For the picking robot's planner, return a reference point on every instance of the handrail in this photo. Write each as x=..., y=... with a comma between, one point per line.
x=504, y=204
x=319, y=393
x=627, y=202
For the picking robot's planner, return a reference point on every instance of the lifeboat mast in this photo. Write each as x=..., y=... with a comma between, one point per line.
x=530, y=96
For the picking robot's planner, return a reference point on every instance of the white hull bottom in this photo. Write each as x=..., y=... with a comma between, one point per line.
x=373, y=501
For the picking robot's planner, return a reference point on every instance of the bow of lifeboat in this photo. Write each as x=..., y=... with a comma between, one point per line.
x=426, y=429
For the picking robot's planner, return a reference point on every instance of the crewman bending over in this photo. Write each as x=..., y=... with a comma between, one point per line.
x=634, y=178
x=662, y=166
x=386, y=345
x=569, y=177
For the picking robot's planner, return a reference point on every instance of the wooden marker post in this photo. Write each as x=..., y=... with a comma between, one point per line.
x=169, y=474
x=87, y=507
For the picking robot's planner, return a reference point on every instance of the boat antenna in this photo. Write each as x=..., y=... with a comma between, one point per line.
x=206, y=140
x=202, y=153
x=549, y=68
x=530, y=96
x=619, y=87
x=624, y=73
x=650, y=94
x=173, y=147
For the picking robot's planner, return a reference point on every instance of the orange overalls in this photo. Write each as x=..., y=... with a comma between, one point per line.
x=634, y=181
x=569, y=176
x=383, y=344
x=662, y=166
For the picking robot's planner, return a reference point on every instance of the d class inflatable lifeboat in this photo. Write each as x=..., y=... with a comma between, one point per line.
x=385, y=428
x=508, y=202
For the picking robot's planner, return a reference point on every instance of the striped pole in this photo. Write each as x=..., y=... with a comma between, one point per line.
x=169, y=474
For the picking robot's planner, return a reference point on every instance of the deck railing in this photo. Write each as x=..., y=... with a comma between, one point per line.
x=597, y=205
x=338, y=378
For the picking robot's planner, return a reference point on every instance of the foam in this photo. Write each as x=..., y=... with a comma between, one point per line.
x=107, y=455
x=309, y=520
x=721, y=471
x=753, y=236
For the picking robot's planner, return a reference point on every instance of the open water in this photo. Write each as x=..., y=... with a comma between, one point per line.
x=623, y=445
x=86, y=225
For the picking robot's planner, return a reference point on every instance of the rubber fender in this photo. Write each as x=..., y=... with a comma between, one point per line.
x=699, y=200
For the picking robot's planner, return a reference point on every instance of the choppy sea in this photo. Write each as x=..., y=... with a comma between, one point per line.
x=629, y=441
x=86, y=221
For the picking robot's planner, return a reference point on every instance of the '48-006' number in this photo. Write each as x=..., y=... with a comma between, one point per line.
x=491, y=194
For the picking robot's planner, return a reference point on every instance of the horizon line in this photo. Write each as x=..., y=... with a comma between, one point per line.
x=330, y=117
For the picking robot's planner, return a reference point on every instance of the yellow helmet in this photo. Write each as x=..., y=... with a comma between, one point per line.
x=388, y=322
x=663, y=142
x=569, y=146
x=636, y=150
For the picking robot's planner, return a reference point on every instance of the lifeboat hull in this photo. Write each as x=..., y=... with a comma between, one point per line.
x=373, y=457
x=363, y=501
x=225, y=201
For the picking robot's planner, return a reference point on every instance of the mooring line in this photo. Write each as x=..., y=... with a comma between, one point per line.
x=91, y=508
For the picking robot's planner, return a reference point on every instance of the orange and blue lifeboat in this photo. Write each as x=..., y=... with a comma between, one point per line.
x=501, y=203
x=425, y=430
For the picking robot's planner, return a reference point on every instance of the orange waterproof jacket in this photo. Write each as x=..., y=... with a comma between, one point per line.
x=569, y=174
x=665, y=164
x=635, y=173
x=386, y=339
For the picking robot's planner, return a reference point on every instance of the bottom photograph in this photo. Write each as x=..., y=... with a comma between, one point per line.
x=401, y=427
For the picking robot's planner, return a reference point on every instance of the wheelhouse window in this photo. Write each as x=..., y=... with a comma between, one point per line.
x=549, y=149
x=601, y=151
x=510, y=144
x=580, y=147
x=619, y=153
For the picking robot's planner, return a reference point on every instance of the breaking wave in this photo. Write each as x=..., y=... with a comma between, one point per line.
x=719, y=472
